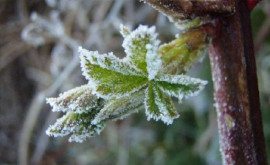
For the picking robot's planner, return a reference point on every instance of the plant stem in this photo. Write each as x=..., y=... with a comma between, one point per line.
x=236, y=90
x=181, y=9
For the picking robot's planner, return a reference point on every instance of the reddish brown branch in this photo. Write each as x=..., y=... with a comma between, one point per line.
x=179, y=9
x=236, y=90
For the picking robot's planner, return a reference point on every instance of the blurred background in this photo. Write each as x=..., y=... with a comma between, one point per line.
x=38, y=59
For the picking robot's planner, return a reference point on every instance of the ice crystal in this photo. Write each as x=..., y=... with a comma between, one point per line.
x=146, y=78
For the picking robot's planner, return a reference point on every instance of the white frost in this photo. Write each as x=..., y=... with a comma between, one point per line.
x=182, y=80
x=125, y=31
x=148, y=37
x=120, y=107
x=79, y=100
x=76, y=127
x=108, y=61
x=153, y=60
x=163, y=111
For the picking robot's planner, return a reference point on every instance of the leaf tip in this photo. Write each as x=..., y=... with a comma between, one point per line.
x=125, y=31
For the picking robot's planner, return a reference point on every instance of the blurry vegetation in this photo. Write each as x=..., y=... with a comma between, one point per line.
x=45, y=62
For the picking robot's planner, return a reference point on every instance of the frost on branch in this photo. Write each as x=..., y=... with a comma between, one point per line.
x=146, y=79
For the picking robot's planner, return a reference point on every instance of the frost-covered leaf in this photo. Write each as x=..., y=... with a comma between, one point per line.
x=151, y=108
x=145, y=68
x=78, y=125
x=166, y=106
x=121, y=107
x=158, y=105
x=107, y=61
x=144, y=79
x=128, y=111
x=180, y=86
x=79, y=100
x=138, y=44
x=109, y=79
x=181, y=54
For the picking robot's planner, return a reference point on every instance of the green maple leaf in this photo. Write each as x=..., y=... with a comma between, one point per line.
x=142, y=70
x=146, y=78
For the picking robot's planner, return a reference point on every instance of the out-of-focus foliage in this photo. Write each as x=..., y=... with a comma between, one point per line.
x=46, y=63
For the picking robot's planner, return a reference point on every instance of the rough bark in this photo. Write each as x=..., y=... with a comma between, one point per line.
x=182, y=9
x=236, y=90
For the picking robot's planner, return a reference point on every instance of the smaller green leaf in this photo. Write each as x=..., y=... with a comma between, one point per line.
x=179, y=55
x=159, y=105
x=79, y=100
x=119, y=108
x=107, y=61
x=180, y=86
x=151, y=108
x=78, y=125
x=166, y=106
x=107, y=82
x=137, y=43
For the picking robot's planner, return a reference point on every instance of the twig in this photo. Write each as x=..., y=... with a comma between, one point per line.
x=38, y=101
x=112, y=16
x=43, y=139
x=35, y=108
x=23, y=11
x=10, y=52
x=208, y=135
